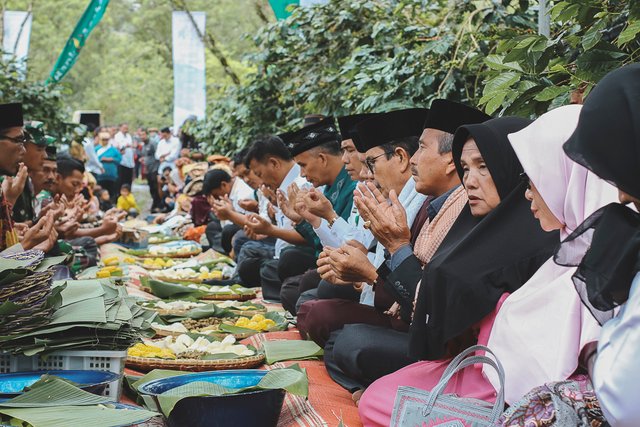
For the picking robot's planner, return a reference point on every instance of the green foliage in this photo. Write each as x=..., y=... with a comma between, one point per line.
x=358, y=56
x=39, y=101
x=125, y=69
x=529, y=74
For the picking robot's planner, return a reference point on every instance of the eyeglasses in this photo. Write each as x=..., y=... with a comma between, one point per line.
x=525, y=178
x=371, y=161
x=21, y=139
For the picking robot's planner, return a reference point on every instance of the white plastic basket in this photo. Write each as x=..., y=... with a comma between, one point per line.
x=91, y=360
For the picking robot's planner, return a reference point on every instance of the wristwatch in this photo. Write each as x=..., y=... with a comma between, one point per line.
x=332, y=221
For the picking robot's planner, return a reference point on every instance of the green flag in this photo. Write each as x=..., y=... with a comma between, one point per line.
x=90, y=18
x=282, y=8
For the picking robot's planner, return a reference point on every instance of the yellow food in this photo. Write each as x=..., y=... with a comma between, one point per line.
x=147, y=350
x=129, y=260
x=210, y=275
x=109, y=271
x=257, y=323
x=113, y=260
x=158, y=262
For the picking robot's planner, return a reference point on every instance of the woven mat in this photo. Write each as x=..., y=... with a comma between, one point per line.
x=329, y=401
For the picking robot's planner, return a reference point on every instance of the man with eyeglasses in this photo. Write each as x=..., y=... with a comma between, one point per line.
x=12, y=145
x=24, y=210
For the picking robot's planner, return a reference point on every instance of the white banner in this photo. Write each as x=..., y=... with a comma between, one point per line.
x=189, y=85
x=16, y=35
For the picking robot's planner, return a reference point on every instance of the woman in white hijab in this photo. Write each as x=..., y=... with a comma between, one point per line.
x=543, y=327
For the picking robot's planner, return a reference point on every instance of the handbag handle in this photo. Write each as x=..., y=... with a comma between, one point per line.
x=498, y=407
x=456, y=360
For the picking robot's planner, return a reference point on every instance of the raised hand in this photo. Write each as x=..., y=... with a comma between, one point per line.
x=222, y=208
x=39, y=233
x=268, y=193
x=318, y=205
x=12, y=187
x=326, y=271
x=387, y=218
x=286, y=206
x=351, y=265
x=258, y=225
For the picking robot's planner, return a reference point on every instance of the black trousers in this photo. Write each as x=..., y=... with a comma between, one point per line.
x=220, y=237
x=359, y=354
x=293, y=287
x=152, y=180
x=125, y=176
x=258, y=264
x=252, y=257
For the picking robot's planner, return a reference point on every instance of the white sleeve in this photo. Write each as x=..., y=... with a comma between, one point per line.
x=176, y=146
x=328, y=236
x=616, y=373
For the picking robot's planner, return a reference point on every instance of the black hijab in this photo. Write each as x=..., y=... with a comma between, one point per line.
x=606, y=248
x=481, y=258
x=607, y=138
x=607, y=141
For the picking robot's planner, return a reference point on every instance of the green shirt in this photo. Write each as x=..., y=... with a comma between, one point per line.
x=340, y=194
x=24, y=209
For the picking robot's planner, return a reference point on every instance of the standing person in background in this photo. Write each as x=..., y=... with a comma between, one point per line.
x=123, y=141
x=89, y=143
x=110, y=158
x=168, y=149
x=153, y=135
x=138, y=145
x=151, y=165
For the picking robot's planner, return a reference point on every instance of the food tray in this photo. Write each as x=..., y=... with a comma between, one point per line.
x=224, y=297
x=92, y=360
x=146, y=364
x=170, y=255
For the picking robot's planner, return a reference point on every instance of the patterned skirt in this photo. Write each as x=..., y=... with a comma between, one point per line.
x=559, y=404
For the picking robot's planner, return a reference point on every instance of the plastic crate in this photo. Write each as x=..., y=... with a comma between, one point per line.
x=91, y=360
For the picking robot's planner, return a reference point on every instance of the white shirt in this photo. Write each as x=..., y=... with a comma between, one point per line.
x=93, y=164
x=343, y=231
x=124, y=143
x=281, y=220
x=171, y=149
x=239, y=191
x=616, y=372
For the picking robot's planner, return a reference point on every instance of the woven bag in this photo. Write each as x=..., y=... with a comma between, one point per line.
x=419, y=408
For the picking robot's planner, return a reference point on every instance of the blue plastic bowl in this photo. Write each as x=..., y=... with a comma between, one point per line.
x=13, y=384
x=257, y=408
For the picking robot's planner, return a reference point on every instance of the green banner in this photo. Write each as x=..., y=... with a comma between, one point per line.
x=90, y=18
x=282, y=8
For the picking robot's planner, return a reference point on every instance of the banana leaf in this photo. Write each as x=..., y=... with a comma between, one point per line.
x=95, y=416
x=281, y=325
x=209, y=310
x=51, y=261
x=53, y=401
x=171, y=290
x=278, y=351
x=292, y=379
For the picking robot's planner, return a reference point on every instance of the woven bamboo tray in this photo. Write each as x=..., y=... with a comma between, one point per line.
x=225, y=297
x=146, y=364
x=171, y=280
x=161, y=333
x=176, y=255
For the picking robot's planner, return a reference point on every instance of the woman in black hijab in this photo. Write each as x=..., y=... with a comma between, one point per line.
x=487, y=252
x=494, y=247
x=607, y=141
